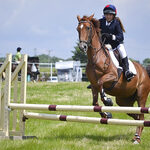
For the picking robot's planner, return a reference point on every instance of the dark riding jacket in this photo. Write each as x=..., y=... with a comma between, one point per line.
x=115, y=29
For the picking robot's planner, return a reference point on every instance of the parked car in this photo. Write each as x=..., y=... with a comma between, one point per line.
x=53, y=79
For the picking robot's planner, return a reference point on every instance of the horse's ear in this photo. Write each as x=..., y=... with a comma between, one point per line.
x=79, y=18
x=90, y=18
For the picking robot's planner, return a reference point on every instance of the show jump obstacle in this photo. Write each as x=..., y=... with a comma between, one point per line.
x=18, y=105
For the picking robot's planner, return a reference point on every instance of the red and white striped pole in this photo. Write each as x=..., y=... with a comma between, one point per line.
x=134, y=110
x=87, y=119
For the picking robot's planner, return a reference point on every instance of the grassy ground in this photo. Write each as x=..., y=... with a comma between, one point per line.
x=57, y=135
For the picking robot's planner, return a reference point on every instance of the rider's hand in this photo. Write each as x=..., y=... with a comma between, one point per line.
x=107, y=36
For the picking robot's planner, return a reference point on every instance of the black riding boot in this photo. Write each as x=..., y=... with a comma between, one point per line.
x=128, y=74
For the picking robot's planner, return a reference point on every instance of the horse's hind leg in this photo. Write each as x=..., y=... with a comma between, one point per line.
x=142, y=95
x=129, y=102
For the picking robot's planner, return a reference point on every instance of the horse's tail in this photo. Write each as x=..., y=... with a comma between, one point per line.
x=148, y=72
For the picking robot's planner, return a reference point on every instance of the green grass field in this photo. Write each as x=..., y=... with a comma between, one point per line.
x=57, y=135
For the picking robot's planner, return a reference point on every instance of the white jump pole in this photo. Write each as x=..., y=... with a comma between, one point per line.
x=135, y=110
x=87, y=119
x=5, y=97
x=5, y=94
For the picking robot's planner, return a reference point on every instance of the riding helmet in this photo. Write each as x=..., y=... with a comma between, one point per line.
x=110, y=9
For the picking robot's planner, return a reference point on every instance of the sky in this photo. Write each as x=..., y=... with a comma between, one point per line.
x=51, y=25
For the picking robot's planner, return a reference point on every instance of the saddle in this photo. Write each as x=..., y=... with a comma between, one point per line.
x=118, y=57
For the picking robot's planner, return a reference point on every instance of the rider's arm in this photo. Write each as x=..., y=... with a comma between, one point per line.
x=119, y=33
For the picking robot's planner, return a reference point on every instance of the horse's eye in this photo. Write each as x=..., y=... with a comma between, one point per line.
x=88, y=28
x=77, y=28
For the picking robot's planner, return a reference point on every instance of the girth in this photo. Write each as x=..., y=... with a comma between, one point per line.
x=115, y=82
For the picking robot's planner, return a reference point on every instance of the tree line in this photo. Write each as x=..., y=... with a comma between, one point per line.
x=77, y=55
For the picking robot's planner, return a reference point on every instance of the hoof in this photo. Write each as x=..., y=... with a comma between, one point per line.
x=108, y=102
x=106, y=115
x=136, y=140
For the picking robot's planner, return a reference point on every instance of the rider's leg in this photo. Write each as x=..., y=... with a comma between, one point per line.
x=122, y=51
x=115, y=61
x=128, y=74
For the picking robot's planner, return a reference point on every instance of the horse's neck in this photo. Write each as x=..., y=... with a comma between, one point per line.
x=99, y=57
x=95, y=52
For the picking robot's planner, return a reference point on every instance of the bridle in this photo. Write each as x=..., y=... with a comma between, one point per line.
x=89, y=41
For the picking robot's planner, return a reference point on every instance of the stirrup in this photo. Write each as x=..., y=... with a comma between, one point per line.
x=129, y=75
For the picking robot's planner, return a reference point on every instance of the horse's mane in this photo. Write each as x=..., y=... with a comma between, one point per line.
x=95, y=22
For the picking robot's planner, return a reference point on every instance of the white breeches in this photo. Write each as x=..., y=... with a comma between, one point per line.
x=122, y=51
x=123, y=55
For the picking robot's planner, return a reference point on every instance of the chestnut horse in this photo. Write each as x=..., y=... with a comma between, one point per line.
x=102, y=73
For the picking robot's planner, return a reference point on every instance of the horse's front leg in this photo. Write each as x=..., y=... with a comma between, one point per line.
x=95, y=96
x=95, y=102
x=105, y=100
x=105, y=78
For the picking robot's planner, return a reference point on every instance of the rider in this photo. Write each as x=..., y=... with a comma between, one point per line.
x=112, y=32
x=18, y=55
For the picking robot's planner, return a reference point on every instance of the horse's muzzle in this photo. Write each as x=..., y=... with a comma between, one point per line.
x=83, y=46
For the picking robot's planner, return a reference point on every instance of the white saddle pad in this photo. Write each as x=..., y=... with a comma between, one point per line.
x=116, y=63
x=132, y=67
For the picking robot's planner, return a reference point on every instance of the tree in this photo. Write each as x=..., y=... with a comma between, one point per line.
x=134, y=60
x=146, y=61
x=79, y=55
x=2, y=59
x=69, y=59
x=45, y=58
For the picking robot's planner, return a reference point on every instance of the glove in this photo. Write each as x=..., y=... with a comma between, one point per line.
x=107, y=36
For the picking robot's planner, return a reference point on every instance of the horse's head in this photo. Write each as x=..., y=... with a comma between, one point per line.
x=86, y=28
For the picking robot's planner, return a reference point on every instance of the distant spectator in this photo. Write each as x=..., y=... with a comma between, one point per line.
x=18, y=55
